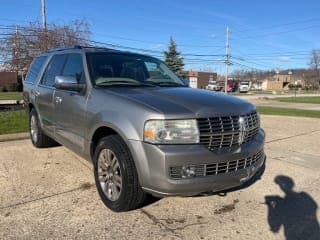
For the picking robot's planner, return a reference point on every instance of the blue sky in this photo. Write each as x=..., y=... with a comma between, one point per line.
x=263, y=34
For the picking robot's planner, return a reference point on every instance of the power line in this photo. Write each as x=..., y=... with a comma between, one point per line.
x=245, y=66
x=282, y=25
x=8, y=27
x=190, y=58
x=281, y=32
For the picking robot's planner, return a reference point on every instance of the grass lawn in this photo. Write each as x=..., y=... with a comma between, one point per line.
x=300, y=99
x=288, y=112
x=10, y=95
x=13, y=122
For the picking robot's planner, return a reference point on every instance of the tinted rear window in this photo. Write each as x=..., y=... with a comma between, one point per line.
x=35, y=68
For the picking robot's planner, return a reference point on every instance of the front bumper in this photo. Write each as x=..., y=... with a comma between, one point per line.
x=153, y=163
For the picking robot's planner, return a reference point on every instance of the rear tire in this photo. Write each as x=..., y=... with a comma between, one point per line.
x=116, y=176
x=38, y=138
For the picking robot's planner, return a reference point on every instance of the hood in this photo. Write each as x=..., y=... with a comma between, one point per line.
x=180, y=101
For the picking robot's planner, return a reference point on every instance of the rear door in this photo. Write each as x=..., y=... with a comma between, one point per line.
x=44, y=93
x=34, y=72
x=70, y=106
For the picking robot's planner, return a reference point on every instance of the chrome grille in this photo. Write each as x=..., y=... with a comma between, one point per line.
x=202, y=170
x=228, y=131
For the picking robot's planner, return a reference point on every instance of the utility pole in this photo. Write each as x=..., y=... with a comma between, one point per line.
x=44, y=26
x=43, y=13
x=227, y=61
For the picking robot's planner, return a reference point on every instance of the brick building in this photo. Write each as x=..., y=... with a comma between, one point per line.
x=8, y=79
x=282, y=82
x=198, y=79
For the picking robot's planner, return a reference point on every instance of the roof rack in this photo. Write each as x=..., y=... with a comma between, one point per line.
x=68, y=47
x=97, y=47
x=61, y=48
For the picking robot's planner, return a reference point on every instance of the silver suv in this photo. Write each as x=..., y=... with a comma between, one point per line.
x=144, y=130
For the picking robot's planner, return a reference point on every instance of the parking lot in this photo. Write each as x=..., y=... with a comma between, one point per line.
x=50, y=193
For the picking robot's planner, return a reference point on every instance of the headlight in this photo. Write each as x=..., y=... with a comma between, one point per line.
x=171, y=131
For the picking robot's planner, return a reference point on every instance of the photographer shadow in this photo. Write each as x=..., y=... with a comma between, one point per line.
x=296, y=212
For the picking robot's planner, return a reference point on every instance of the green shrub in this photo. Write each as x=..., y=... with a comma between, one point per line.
x=293, y=86
x=4, y=89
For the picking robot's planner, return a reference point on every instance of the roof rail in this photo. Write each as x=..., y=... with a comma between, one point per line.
x=61, y=48
x=97, y=47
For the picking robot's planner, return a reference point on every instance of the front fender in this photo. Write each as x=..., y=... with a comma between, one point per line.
x=126, y=129
x=117, y=122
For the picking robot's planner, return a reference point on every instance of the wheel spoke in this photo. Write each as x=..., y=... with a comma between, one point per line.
x=101, y=163
x=108, y=190
x=109, y=174
x=102, y=175
x=114, y=162
x=104, y=155
x=117, y=181
x=34, y=128
x=115, y=191
x=102, y=179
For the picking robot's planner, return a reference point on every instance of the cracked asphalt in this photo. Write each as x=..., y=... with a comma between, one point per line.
x=50, y=194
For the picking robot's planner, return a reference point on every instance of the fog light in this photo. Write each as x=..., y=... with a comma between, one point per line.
x=188, y=171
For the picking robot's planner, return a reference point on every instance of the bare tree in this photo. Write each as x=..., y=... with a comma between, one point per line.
x=23, y=43
x=315, y=64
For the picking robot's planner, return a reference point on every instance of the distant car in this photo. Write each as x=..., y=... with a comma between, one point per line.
x=244, y=86
x=144, y=130
x=231, y=86
x=213, y=86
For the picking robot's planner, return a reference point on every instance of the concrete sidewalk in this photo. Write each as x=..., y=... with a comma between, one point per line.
x=50, y=194
x=14, y=137
x=8, y=102
x=275, y=103
x=272, y=96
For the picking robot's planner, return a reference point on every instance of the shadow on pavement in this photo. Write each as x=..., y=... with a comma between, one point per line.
x=296, y=212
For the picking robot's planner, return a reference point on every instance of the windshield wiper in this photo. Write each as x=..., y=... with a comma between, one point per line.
x=126, y=83
x=166, y=83
x=119, y=82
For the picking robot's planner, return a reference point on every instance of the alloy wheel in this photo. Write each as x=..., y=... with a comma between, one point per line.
x=109, y=174
x=34, y=128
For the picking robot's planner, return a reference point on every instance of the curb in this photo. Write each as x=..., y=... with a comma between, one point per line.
x=14, y=137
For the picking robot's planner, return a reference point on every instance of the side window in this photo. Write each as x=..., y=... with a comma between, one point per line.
x=74, y=67
x=54, y=69
x=34, y=69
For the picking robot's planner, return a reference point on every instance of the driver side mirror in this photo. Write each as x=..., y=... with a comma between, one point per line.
x=68, y=83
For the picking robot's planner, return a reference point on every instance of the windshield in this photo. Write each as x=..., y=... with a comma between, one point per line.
x=244, y=83
x=128, y=69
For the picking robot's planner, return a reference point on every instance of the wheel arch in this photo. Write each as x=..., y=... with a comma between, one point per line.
x=30, y=106
x=100, y=132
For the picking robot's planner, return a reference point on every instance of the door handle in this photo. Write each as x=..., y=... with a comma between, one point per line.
x=36, y=93
x=58, y=100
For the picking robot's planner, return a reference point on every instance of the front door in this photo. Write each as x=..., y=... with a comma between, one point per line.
x=71, y=106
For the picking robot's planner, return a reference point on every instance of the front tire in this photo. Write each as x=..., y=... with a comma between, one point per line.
x=116, y=176
x=38, y=138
